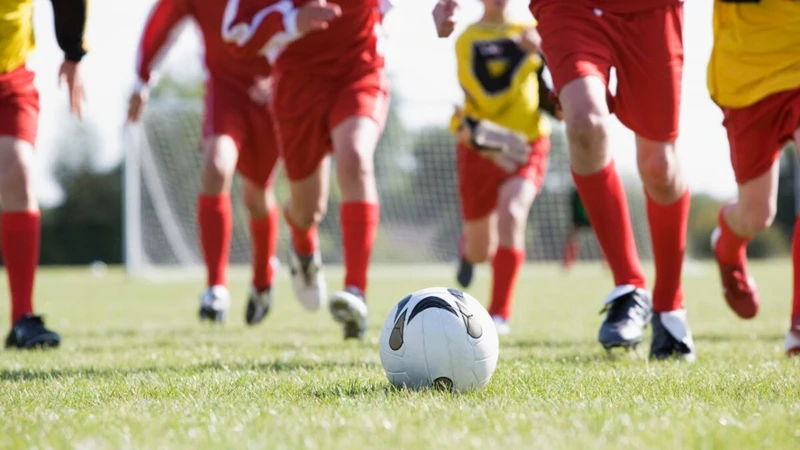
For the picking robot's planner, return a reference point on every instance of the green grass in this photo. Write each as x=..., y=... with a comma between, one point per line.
x=136, y=370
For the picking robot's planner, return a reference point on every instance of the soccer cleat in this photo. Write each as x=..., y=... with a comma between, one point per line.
x=672, y=336
x=501, y=325
x=29, y=332
x=214, y=304
x=349, y=308
x=258, y=304
x=308, y=280
x=628, y=311
x=465, y=272
x=738, y=286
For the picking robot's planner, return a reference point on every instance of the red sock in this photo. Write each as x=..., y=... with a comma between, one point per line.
x=570, y=253
x=505, y=267
x=304, y=242
x=21, y=231
x=264, y=235
x=359, y=222
x=215, y=220
x=796, y=265
x=668, y=234
x=605, y=202
x=731, y=248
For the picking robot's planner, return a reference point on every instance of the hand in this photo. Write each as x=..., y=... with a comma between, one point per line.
x=316, y=15
x=444, y=17
x=71, y=75
x=261, y=91
x=530, y=41
x=136, y=105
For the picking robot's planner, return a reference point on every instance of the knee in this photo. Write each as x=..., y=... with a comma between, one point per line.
x=756, y=218
x=511, y=228
x=659, y=176
x=352, y=166
x=256, y=201
x=306, y=216
x=16, y=184
x=478, y=252
x=219, y=160
x=585, y=131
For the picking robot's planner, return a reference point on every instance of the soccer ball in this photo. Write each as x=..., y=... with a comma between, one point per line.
x=441, y=338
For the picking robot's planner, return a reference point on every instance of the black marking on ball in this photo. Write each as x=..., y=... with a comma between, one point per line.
x=396, y=338
x=431, y=302
x=443, y=384
x=474, y=328
x=401, y=305
x=457, y=294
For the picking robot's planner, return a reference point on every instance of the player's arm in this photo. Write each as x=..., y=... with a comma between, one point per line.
x=444, y=16
x=70, y=25
x=252, y=31
x=158, y=34
x=548, y=101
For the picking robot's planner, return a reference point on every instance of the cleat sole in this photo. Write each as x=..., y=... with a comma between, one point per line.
x=212, y=315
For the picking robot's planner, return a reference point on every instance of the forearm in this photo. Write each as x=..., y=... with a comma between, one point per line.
x=70, y=23
x=159, y=32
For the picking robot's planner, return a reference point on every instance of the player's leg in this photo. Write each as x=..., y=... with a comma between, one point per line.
x=515, y=198
x=792, y=342
x=215, y=222
x=357, y=119
x=20, y=231
x=264, y=214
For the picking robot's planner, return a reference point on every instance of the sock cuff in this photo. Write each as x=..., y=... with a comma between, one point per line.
x=19, y=220
x=360, y=211
x=516, y=254
x=725, y=228
x=214, y=202
x=603, y=173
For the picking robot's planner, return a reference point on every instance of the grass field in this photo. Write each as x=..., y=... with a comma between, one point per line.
x=137, y=370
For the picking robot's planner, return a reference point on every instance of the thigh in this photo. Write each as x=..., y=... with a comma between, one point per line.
x=300, y=110
x=575, y=43
x=757, y=133
x=649, y=61
x=479, y=180
x=365, y=95
x=19, y=105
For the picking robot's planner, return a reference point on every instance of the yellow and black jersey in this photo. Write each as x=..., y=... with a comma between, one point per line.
x=499, y=79
x=756, y=50
x=16, y=30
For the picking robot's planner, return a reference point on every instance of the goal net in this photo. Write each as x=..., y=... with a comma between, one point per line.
x=415, y=169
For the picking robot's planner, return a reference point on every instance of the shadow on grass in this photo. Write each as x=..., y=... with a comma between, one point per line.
x=189, y=369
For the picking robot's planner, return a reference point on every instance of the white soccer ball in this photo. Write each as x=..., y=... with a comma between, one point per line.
x=439, y=337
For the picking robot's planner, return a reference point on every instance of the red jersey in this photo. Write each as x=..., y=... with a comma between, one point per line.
x=351, y=43
x=162, y=27
x=613, y=6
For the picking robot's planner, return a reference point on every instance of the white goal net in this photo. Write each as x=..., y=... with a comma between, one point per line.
x=420, y=218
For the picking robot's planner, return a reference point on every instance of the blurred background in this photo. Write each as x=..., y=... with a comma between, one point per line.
x=116, y=194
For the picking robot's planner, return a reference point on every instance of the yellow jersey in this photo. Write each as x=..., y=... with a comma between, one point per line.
x=756, y=50
x=500, y=79
x=16, y=30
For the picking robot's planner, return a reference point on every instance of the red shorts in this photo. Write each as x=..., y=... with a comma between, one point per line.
x=757, y=133
x=19, y=105
x=307, y=109
x=230, y=112
x=645, y=48
x=480, y=179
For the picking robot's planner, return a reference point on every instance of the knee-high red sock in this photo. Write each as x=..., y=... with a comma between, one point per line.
x=264, y=235
x=215, y=220
x=304, y=241
x=796, y=265
x=605, y=202
x=359, y=222
x=20, y=237
x=506, y=265
x=668, y=234
x=570, y=254
x=731, y=248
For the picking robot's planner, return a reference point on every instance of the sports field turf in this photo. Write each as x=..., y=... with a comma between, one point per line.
x=137, y=370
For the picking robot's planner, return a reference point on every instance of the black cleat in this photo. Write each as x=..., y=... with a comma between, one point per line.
x=258, y=304
x=628, y=311
x=349, y=308
x=672, y=337
x=465, y=272
x=29, y=332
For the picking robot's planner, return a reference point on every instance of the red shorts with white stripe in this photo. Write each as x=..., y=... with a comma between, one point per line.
x=230, y=112
x=19, y=105
x=480, y=179
x=757, y=133
x=307, y=108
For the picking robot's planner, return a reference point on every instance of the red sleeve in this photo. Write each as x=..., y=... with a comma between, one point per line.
x=159, y=31
x=248, y=30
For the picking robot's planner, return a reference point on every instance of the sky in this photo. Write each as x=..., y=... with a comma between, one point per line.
x=421, y=66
